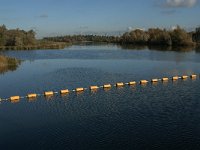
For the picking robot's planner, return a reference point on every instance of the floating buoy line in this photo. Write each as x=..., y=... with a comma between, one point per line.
x=47, y=94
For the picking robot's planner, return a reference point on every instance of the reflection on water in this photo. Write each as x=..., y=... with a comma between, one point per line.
x=8, y=64
x=198, y=48
x=170, y=48
x=160, y=48
x=133, y=47
x=154, y=116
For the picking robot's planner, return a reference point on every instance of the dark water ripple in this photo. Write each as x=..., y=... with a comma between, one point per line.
x=163, y=117
x=155, y=116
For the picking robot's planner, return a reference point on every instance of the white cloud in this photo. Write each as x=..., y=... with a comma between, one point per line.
x=130, y=28
x=180, y=3
x=173, y=27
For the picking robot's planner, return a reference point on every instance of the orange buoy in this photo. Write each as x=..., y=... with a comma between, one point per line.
x=165, y=79
x=132, y=83
x=119, y=84
x=184, y=77
x=49, y=93
x=175, y=78
x=143, y=81
x=14, y=99
x=32, y=95
x=64, y=91
x=107, y=86
x=154, y=80
x=94, y=87
x=193, y=76
x=79, y=89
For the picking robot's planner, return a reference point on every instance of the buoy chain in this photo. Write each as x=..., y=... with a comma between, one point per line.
x=93, y=88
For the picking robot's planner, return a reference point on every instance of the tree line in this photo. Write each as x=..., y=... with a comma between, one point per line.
x=153, y=36
x=84, y=38
x=16, y=37
x=156, y=36
x=19, y=39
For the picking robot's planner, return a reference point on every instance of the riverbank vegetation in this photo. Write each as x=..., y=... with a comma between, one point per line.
x=84, y=38
x=156, y=36
x=152, y=37
x=16, y=39
x=8, y=64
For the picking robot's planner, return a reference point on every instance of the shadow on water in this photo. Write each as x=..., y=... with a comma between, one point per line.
x=133, y=47
x=8, y=64
x=198, y=48
x=160, y=48
x=174, y=48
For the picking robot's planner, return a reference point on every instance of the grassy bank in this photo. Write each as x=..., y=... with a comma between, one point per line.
x=39, y=45
x=8, y=64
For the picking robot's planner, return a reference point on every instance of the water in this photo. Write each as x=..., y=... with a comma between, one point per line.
x=159, y=116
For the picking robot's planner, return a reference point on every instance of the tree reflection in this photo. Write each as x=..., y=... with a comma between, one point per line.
x=160, y=48
x=173, y=48
x=133, y=47
x=198, y=48
x=8, y=64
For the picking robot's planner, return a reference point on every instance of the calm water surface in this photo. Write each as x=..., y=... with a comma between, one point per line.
x=160, y=116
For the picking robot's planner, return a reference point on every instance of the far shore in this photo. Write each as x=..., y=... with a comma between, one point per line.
x=17, y=39
x=62, y=45
x=36, y=47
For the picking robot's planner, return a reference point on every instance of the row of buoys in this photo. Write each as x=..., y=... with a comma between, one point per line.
x=94, y=87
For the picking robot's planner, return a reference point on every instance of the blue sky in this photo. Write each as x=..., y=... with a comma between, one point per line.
x=60, y=17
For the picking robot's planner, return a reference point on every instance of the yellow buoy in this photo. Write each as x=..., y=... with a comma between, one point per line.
x=94, y=87
x=32, y=95
x=193, y=76
x=165, y=79
x=49, y=93
x=143, y=81
x=175, y=78
x=14, y=99
x=154, y=80
x=107, y=86
x=184, y=77
x=79, y=89
x=64, y=91
x=132, y=83
x=119, y=84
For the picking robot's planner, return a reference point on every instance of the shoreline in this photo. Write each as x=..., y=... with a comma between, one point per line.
x=61, y=45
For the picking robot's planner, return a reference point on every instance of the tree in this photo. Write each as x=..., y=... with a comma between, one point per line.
x=196, y=35
x=29, y=38
x=159, y=37
x=180, y=37
x=135, y=37
x=2, y=35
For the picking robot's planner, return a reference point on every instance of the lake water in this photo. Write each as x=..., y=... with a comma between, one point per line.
x=155, y=116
